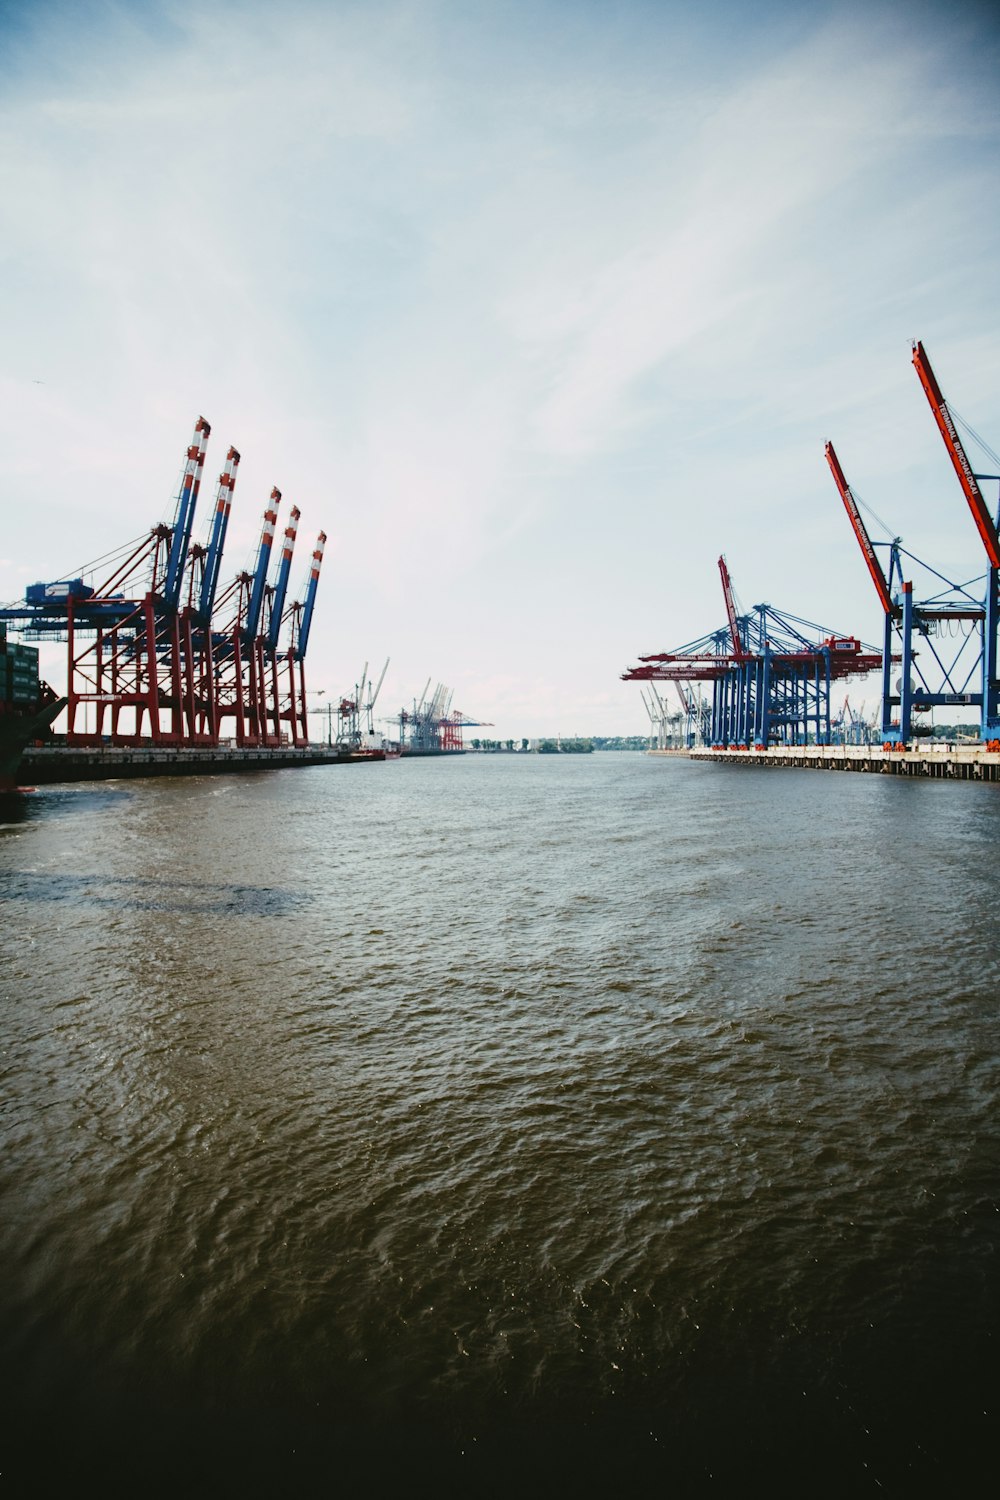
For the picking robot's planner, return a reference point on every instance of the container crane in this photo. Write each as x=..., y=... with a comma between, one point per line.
x=777, y=689
x=349, y=714
x=917, y=634
x=892, y=612
x=987, y=528
x=431, y=726
x=146, y=656
x=124, y=653
x=450, y=728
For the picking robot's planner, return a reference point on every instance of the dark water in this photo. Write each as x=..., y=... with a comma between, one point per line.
x=501, y=1125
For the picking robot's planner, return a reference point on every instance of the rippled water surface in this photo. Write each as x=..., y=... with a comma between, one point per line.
x=501, y=1122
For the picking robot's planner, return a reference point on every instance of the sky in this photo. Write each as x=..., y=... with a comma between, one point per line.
x=535, y=307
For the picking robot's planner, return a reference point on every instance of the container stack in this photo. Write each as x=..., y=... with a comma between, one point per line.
x=18, y=672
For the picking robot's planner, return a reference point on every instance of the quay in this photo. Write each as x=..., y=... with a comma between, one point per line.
x=968, y=764
x=45, y=764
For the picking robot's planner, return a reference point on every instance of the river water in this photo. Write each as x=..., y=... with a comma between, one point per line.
x=501, y=1124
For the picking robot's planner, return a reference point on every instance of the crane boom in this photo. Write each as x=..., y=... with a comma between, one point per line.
x=860, y=530
x=263, y=559
x=957, y=454
x=220, y=521
x=307, y=612
x=186, y=501
x=281, y=587
x=734, y=628
x=374, y=696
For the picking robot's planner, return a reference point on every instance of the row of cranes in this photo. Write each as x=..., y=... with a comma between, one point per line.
x=771, y=674
x=691, y=724
x=676, y=729
x=432, y=724
x=157, y=652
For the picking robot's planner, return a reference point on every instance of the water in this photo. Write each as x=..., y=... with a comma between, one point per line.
x=500, y=1124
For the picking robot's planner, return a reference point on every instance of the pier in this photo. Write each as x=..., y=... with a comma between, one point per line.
x=972, y=764
x=44, y=764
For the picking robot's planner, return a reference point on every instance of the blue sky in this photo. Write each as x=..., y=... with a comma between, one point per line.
x=534, y=308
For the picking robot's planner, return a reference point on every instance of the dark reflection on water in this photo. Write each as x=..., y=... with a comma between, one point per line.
x=150, y=893
x=570, y=1123
x=31, y=805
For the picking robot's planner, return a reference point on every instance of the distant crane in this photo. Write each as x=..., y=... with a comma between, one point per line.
x=356, y=715
x=771, y=674
x=431, y=725
x=657, y=711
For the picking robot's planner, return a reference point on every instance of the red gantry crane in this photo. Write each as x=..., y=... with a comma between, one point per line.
x=148, y=660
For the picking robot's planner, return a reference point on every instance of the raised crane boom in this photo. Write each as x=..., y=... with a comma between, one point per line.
x=307, y=611
x=372, y=700
x=957, y=453
x=860, y=530
x=186, y=501
x=220, y=521
x=281, y=587
x=260, y=572
x=734, y=627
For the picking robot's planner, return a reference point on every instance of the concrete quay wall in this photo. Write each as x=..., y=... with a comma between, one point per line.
x=972, y=764
x=53, y=763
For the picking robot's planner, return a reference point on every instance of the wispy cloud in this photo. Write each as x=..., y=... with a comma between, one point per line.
x=503, y=288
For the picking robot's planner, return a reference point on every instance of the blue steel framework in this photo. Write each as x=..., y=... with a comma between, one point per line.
x=943, y=649
x=771, y=675
x=145, y=649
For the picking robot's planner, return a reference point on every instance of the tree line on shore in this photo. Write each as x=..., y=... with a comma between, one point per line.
x=559, y=746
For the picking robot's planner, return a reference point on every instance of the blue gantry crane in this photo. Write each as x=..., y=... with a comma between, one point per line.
x=939, y=650
x=770, y=673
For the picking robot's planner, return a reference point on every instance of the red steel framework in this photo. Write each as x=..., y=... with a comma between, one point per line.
x=153, y=657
